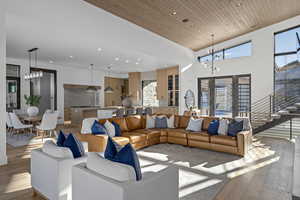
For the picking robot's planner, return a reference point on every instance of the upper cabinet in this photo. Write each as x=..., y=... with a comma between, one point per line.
x=168, y=85
x=134, y=79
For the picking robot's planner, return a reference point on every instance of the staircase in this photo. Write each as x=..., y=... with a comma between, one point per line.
x=274, y=110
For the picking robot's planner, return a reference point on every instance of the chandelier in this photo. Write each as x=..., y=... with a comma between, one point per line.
x=33, y=64
x=209, y=63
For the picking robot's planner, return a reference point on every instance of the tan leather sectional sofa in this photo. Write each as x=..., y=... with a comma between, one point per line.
x=134, y=131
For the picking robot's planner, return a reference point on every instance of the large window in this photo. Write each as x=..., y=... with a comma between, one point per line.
x=240, y=50
x=287, y=63
x=225, y=96
x=149, y=93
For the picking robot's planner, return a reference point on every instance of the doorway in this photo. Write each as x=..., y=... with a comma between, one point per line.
x=225, y=96
x=46, y=87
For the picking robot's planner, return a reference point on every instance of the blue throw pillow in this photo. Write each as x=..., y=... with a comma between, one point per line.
x=213, y=127
x=161, y=122
x=128, y=156
x=61, y=139
x=98, y=129
x=118, y=131
x=235, y=127
x=74, y=145
x=111, y=149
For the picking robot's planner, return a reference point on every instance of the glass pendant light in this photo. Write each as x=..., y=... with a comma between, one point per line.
x=108, y=89
x=91, y=88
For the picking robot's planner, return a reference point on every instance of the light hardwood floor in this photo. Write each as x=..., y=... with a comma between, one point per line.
x=267, y=179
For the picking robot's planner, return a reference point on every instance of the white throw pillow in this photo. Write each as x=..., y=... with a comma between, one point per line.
x=52, y=149
x=170, y=122
x=110, y=128
x=87, y=125
x=195, y=125
x=150, y=121
x=223, y=127
x=117, y=171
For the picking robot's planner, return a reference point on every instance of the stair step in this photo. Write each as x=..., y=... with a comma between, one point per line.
x=283, y=112
x=275, y=116
x=297, y=105
x=291, y=108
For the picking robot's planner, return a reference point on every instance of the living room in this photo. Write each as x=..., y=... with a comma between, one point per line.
x=202, y=105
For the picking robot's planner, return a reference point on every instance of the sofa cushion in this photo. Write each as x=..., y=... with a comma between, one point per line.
x=110, y=128
x=180, y=133
x=161, y=122
x=213, y=127
x=206, y=122
x=170, y=121
x=184, y=121
x=52, y=149
x=235, y=127
x=199, y=136
x=194, y=124
x=87, y=124
x=135, y=137
x=98, y=128
x=176, y=121
x=150, y=121
x=118, y=131
x=224, y=140
x=117, y=171
x=121, y=121
x=134, y=122
x=223, y=127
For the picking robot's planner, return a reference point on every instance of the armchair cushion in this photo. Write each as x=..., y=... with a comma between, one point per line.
x=52, y=149
x=127, y=155
x=117, y=171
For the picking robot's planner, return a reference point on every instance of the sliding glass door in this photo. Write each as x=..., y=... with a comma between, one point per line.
x=224, y=96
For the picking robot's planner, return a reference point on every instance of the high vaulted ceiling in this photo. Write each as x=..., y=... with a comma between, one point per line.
x=224, y=18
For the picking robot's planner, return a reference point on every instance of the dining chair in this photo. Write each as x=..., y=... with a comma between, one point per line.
x=139, y=111
x=18, y=126
x=48, y=124
x=9, y=125
x=148, y=111
x=120, y=112
x=130, y=111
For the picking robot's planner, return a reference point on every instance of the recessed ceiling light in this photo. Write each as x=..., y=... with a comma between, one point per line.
x=174, y=12
x=185, y=20
x=117, y=58
x=99, y=49
x=137, y=63
x=238, y=4
x=51, y=61
x=127, y=61
x=71, y=56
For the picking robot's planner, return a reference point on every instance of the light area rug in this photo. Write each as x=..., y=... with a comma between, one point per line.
x=19, y=140
x=202, y=173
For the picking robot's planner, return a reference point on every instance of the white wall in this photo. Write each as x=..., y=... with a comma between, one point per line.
x=150, y=75
x=260, y=65
x=65, y=75
x=3, y=157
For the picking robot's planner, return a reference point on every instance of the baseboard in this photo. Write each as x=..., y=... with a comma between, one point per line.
x=3, y=160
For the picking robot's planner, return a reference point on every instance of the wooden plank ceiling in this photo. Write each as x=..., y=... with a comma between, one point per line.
x=224, y=18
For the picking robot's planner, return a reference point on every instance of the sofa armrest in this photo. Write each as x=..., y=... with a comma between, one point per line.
x=160, y=185
x=244, y=139
x=96, y=143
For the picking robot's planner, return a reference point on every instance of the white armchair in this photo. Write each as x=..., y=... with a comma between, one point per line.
x=88, y=184
x=51, y=177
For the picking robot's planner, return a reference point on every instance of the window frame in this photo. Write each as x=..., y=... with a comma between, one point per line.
x=224, y=49
x=18, y=79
